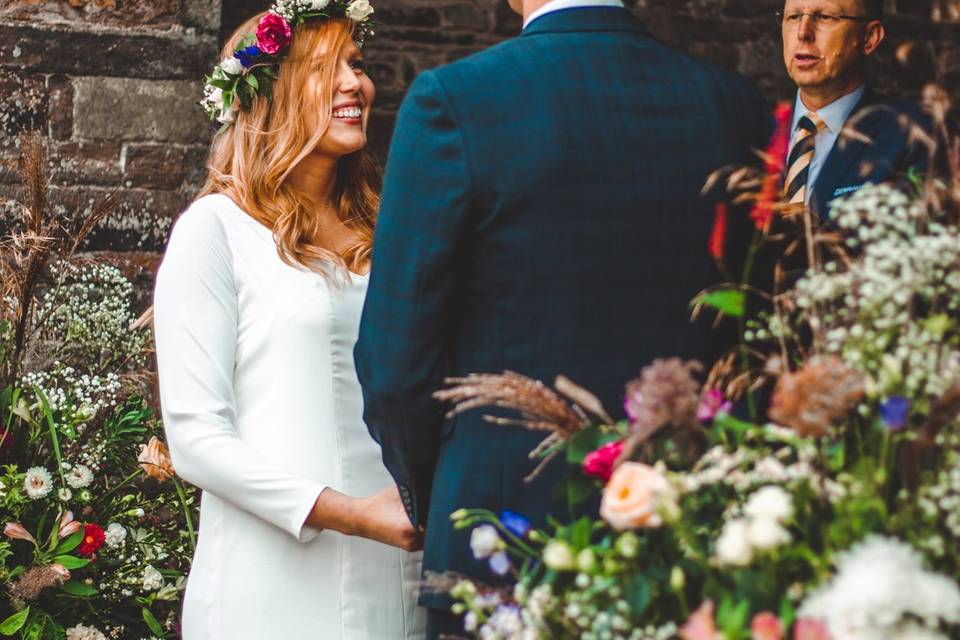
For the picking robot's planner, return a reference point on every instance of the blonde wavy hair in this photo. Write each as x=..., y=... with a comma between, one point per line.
x=251, y=161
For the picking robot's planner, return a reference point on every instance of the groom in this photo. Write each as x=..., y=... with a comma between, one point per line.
x=540, y=214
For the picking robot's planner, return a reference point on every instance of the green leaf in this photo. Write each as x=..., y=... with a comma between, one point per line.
x=152, y=622
x=579, y=489
x=78, y=589
x=580, y=533
x=69, y=544
x=252, y=81
x=733, y=618
x=639, y=594
x=582, y=443
x=15, y=622
x=72, y=562
x=729, y=301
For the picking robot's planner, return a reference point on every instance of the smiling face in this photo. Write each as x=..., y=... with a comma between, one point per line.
x=352, y=98
x=826, y=59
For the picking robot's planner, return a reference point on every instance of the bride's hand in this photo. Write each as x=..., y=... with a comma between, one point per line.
x=381, y=517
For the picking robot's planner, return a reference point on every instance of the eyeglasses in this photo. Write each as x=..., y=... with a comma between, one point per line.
x=818, y=19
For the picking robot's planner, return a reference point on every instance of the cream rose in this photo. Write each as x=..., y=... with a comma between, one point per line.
x=359, y=10
x=634, y=496
x=232, y=66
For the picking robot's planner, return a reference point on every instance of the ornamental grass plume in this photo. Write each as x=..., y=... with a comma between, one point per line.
x=666, y=393
x=37, y=579
x=810, y=400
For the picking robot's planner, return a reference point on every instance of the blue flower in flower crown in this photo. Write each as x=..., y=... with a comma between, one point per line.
x=247, y=56
x=895, y=412
x=515, y=523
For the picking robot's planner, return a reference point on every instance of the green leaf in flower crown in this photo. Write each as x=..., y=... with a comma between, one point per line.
x=75, y=588
x=152, y=622
x=251, y=79
x=729, y=301
x=69, y=544
x=14, y=623
x=247, y=41
x=72, y=562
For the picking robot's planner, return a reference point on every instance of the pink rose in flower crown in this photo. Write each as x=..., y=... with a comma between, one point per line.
x=273, y=34
x=635, y=496
x=810, y=629
x=766, y=626
x=599, y=463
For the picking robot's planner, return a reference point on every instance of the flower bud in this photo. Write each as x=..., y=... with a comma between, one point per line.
x=559, y=556
x=628, y=545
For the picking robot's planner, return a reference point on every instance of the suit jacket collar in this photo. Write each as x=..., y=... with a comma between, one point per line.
x=848, y=149
x=585, y=19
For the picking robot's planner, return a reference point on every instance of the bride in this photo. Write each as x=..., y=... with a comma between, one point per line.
x=257, y=308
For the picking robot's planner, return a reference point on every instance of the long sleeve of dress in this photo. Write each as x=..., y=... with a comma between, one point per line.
x=196, y=334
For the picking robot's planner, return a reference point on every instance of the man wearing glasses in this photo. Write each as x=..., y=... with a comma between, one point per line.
x=844, y=134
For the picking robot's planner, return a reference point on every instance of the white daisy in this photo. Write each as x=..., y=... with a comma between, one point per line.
x=38, y=483
x=79, y=477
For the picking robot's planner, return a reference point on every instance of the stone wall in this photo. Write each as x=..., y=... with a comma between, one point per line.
x=113, y=82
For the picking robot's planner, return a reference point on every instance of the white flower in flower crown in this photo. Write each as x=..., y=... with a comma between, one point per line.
x=152, y=579
x=214, y=95
x=227, y=116
x=359, y=10
x=317, y=5
x=116, y=534
x=38, y=483
x=79, y=477
x=232, y=66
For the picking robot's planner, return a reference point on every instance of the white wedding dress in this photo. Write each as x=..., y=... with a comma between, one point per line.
x=263, y=410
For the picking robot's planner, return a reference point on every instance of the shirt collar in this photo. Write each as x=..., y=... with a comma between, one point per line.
x=835, y=114
x=557, y=5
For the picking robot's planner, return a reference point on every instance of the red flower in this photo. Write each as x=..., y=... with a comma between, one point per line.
x=599, y=463
x=776, y=158
x=273, y=34
x=766, y=626
x=718, y=236
x=93, y=539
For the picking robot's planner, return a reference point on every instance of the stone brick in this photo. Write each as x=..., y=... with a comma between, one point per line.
x=58, y=49
x=153, y=166
x=128, y=13
x=423, y=17
x=201, y=14
x=466, y=16
x=86, y=163
x=23, y=103
x=60, y=107
x=128, y=109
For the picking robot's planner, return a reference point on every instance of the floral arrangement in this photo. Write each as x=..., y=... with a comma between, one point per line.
x=237, y=80
x=831, y=512
x=98, y=533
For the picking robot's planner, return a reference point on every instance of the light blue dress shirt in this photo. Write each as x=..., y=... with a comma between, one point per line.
x=557, y=5
x=834, y=115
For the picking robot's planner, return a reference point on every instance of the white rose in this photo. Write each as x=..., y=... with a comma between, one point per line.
x=232, y=66
x=732, y=545
x=317, y=5
x=152, y=579
x=485, y=541
x=770, y=503
x=116, y=534
x=766, y=534
x=359, y=10
x=559, y=556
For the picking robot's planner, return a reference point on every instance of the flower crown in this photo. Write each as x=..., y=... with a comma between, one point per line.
x=236, y=81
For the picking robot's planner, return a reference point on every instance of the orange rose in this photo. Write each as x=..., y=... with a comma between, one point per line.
x=155, y=460
x=634, y=496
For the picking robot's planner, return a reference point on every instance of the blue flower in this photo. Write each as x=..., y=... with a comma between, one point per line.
x=247, y=56
x=515, y=523
x=500, y=563
x=895, y=412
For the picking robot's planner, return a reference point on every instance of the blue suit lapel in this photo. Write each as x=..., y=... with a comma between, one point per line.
x=585, y=19
x=847, y=152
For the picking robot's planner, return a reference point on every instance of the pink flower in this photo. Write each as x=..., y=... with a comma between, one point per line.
x=68, y=526
x=15, y=531
x=810, y=629
x=712, y=403
x=273, y=34
x=766, y=626
x=599, y=463
x=700, y=626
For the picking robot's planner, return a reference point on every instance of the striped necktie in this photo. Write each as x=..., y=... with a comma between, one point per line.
x=798, y=164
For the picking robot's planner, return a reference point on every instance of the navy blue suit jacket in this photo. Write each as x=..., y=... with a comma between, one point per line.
x=540, y=214
x=881, y=149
